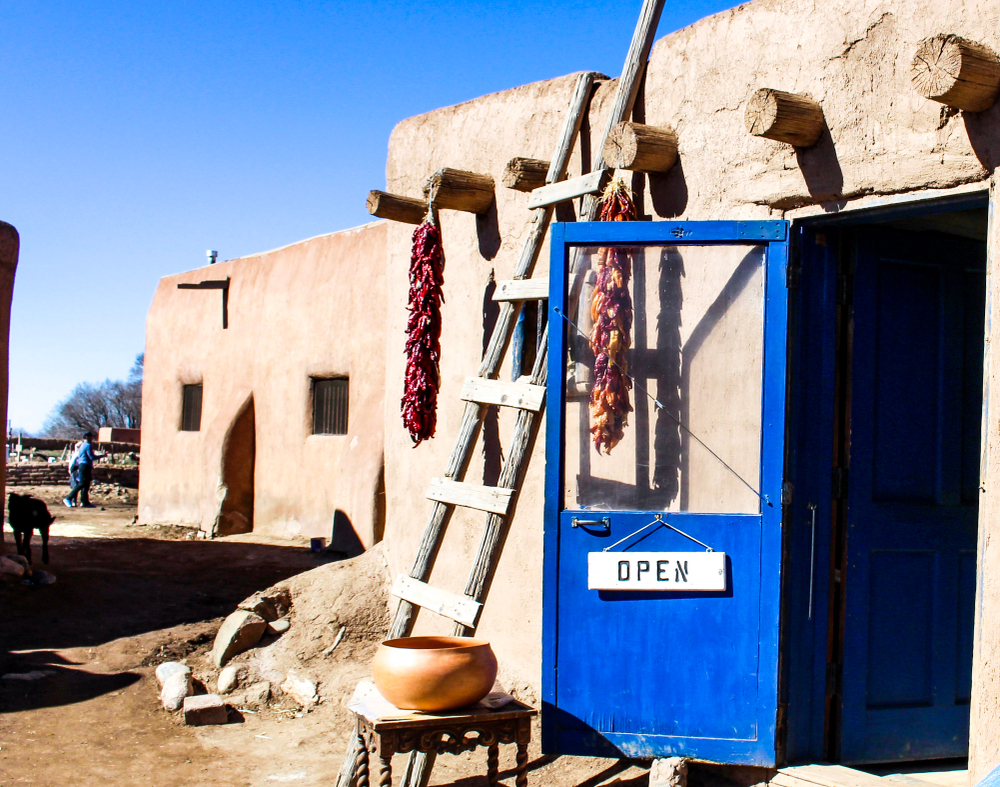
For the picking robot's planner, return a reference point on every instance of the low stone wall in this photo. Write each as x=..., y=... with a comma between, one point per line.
x=56, y=474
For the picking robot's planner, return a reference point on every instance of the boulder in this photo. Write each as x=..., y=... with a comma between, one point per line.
x=300, y=689
x=8, y=566
x=229, y=679
x=168, y=668
x=239, y=632
x=269, y=604
x=278, y=626
x=257, y=694
x=176, y=689
x=668, y=772
x=205, y=709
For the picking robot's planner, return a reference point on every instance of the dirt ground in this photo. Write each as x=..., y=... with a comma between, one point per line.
x=129, y=597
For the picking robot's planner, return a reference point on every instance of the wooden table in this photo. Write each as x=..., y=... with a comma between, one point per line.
x=386, y=730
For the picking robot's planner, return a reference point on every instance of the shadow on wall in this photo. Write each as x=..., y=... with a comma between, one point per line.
x=982, y=130
x=239, y=458
x=821, y=168
x=344, y=538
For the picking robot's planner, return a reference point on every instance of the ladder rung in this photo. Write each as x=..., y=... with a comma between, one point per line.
x=522, y=290
x=453, y=606
x=494, y=499
x=564, y=190
x=506, y=394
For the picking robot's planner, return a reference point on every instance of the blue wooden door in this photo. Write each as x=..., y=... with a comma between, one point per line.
x=916, y=400
x=668, y=672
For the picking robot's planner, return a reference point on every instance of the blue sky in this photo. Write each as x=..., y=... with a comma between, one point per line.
x=138, y=135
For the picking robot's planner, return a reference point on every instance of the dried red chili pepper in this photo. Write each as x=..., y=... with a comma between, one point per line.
x=611, y=335
x=423, y=333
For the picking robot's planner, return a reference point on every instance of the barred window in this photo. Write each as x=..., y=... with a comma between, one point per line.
x=330, y=402
x=191, y=408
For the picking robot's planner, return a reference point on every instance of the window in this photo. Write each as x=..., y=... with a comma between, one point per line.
x=330, y=400
x=191, y=408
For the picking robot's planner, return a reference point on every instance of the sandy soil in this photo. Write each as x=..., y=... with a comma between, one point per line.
x=129, y=597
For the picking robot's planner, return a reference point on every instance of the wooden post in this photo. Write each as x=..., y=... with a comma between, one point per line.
x=396, y=208
x=455, y=189
x=956, y=72
x=640, y=148
x=525, y=174
x=785, y=117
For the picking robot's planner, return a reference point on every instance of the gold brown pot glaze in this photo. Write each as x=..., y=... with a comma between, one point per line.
x=434, y=673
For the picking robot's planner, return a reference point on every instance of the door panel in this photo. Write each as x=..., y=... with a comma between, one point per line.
x=673, y=672
x=912, y=501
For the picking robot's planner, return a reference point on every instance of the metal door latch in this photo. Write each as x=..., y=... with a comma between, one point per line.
x=604, y=522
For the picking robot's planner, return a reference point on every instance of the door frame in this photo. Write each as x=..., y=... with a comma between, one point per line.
x=762, y=749
x=810, y=666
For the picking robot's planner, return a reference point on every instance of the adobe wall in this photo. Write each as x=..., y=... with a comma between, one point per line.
x=313, y=308
x=883, y=139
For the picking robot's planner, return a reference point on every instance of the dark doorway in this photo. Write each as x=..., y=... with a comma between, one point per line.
x=239, y=454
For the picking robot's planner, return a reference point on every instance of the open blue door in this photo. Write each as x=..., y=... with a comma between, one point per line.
x=663, y=557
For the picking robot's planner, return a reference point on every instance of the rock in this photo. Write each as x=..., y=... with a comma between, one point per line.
x=229, y=679
x=205, y=709
x=257, y=694
x=239, y=632
x=270, y=604
x=300, y=689
x=8, y=566
x=168, y=668
x=42, y=578
x=176, y=689
x=668, y=772
x=278, y=627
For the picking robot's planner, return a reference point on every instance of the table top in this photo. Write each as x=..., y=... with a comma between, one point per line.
x=381, y=714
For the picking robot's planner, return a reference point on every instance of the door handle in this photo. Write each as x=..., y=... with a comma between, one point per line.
x=604, y=522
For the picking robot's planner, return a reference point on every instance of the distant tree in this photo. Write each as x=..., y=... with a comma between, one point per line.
x=91, y=406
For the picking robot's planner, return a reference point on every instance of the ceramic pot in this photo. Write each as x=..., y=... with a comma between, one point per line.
x=434, y=673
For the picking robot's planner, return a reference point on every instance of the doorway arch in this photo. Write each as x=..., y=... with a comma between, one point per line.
x=239, y=459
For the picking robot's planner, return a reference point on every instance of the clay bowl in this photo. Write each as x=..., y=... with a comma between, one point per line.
x=434, y=673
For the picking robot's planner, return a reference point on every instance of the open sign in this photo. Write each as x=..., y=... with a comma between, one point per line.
x=674, y=571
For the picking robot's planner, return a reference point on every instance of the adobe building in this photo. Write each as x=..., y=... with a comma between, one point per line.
x=813, y=330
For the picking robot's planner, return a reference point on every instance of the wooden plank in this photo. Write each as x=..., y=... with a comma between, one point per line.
x=505, y=394
x=522, y=290
x=453, y=606
x=591, y=183
x=493, y=499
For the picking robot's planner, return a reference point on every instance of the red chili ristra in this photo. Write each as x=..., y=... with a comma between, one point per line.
x=611, y=335
x=423, y=333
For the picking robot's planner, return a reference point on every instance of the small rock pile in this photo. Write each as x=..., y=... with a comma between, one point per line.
x=17, y=567
x=123, y=494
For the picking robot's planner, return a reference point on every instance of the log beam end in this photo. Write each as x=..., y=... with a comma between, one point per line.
x=640, y=148
x=396, y=208
x=957, y=72
x=456, y=189
x=525, y=174
x=784, y=117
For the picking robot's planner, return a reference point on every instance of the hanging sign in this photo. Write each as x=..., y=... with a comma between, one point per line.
x=673, y=571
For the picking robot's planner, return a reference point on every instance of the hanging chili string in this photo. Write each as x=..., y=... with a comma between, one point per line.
x=611, y=336
x=423, y=332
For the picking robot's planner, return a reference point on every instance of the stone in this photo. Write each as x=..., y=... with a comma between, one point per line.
x=270, y=604
x=257, y=694
x=168, y=668
x=8, y=566
x=278, y=627
x=229, y=679
x=176, y=688
x=300, y=689
x=668, y=772
x=239, y=632
x=205, y=709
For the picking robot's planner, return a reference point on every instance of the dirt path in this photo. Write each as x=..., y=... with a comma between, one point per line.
x=129, y=597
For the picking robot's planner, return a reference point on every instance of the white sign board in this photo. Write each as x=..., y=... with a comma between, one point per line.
x=675, y=571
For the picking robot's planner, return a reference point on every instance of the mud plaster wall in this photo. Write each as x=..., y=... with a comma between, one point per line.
x=852, y=57
x=313, y=308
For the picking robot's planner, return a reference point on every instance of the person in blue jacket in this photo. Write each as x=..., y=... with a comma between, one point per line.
x=81, y=470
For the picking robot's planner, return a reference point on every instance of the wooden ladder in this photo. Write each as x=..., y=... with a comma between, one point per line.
x=484, y=390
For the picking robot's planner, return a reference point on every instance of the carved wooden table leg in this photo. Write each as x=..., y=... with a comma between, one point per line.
x=361, y=766
x=521, y=780
x=385, y=771
x=493, y=765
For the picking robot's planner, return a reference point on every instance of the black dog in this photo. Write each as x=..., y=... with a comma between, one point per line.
x=25, y=514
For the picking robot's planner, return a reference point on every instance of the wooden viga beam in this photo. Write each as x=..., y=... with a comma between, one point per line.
x=456, y=189
x=640, y=148
x=956, y=72
x=396, y=208
x=784, y=117
x=525, y=174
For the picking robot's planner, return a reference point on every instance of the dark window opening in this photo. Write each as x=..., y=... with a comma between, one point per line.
x=330, y=402
x=191, y=408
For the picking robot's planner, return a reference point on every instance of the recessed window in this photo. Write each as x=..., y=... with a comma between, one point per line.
x=191, y=408
x=330, y=400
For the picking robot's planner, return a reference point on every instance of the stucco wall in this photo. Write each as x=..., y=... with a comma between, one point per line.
x=852, y=57
x=313, y=308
